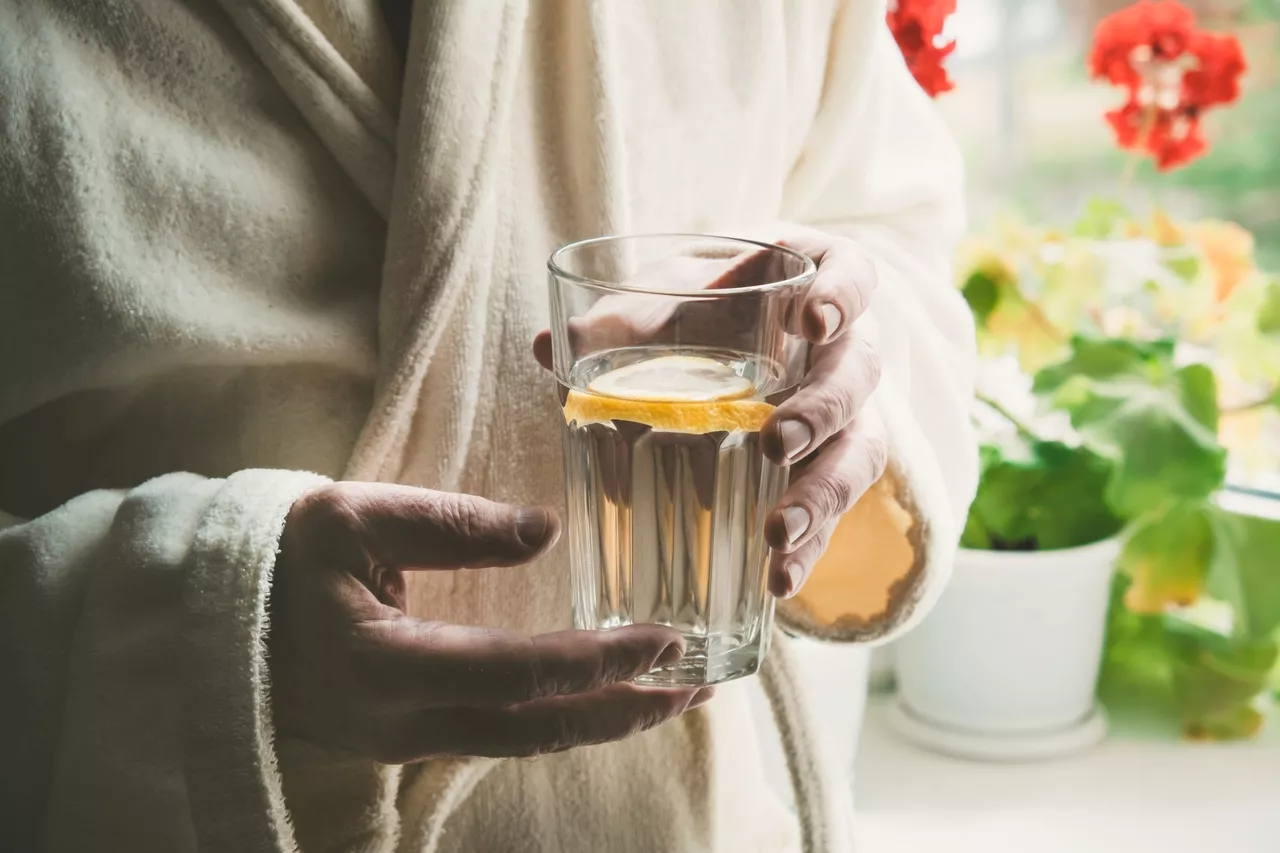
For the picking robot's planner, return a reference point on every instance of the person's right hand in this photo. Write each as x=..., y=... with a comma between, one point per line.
x=349, y=670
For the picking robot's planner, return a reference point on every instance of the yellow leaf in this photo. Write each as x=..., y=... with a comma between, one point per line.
x=979, y=255
x=1245, y=723
x=1036, y=341
x=1164, y=230
x=1228, y=249
x=1166, y=559
x=1074, y=279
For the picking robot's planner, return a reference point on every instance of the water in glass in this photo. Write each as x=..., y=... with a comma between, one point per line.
x=668, y=489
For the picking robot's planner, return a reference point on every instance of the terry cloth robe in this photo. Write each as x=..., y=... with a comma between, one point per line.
x=241, y=254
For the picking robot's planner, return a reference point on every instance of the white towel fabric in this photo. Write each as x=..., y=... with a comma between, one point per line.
x=232, y=242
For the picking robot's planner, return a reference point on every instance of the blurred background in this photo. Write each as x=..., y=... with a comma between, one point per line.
x=1029, y=119
x=1103, y=672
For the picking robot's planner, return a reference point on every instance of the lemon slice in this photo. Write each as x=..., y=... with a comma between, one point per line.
x=686, y=394
x=674, y=378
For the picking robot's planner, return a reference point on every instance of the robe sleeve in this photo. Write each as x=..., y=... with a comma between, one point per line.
x=879, y=166
x=132, y=627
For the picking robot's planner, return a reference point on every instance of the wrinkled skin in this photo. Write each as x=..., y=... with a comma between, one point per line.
x=351, y=671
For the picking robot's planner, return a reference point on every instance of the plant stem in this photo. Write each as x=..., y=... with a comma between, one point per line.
x=999, y=408
x=1135, y=154
x=1130, y=172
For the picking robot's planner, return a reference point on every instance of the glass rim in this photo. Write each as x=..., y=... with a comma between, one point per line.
x=554, y=267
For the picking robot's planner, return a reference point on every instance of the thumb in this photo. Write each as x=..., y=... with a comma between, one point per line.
x=409, y=528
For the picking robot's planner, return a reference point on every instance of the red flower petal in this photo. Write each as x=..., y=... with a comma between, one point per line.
x=1172, y=147
x=1164, y=27
x=1127, y=123
x=917, y=26
x=1170, y=138
x=1216, y=78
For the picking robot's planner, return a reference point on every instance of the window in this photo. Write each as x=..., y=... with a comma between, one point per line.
x=1031, y=124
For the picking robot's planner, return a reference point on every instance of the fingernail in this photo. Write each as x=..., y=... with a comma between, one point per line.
x=796, y=520
x=831, y=319
x=531, y=526
x=670, y=655
x=795, y=577
x=701, y=698
x=795, y=436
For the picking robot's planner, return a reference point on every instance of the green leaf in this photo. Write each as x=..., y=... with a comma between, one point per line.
x=976, y=535
x=982, y=293
x=1162, y=454
x=1157, y=424
x=1269, y=314
x=1216, y=678
x=1248, y=339
x=1197, y=389
x=1185, y=265
x=1105, y=358
x=1172, y=668
x=1245, y=570
x=1040, y=496
x=1101, y=219
x=1137, y=666
x=1167, y=556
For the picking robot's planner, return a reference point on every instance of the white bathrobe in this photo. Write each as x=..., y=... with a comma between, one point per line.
x=235, y=243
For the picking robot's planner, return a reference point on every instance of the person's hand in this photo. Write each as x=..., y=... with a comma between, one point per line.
x=837, y=450
x=349, y=670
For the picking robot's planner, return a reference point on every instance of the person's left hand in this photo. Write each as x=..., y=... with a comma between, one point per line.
x=837, y=450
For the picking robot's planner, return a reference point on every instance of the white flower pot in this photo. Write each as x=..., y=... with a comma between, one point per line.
x=1014, y=644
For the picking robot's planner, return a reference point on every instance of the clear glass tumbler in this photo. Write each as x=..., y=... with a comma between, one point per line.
x=671, y=351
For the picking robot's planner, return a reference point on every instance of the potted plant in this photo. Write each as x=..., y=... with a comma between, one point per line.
x=1013, y=647
x=1134, y=345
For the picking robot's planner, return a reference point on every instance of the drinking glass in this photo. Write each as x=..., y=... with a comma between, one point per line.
x=670, y=352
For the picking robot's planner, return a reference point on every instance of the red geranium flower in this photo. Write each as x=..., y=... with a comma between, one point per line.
x=1172, y=73
x=917, y=27
x=1171, y=139
x=1216, y=78
x=1160, y=30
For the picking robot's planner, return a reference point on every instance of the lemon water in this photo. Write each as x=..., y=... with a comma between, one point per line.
x=666, y=520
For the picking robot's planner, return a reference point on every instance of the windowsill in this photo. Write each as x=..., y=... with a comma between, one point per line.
x=1250, y=502
x=1131, y=793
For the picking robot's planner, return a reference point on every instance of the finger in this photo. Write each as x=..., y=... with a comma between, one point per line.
x=841, y=379
x=849, y=465
x=788, y=572
x=748, y=268
x=542, y=349
x=412, y=663
x=545, y=726
x=841, y=292
x=410, y=528
x=635, y=316
x=625, y=319
x=618, y=321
